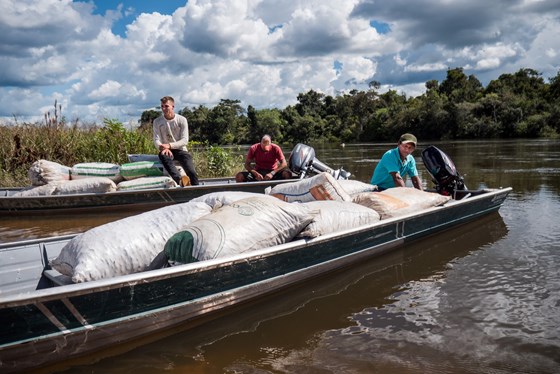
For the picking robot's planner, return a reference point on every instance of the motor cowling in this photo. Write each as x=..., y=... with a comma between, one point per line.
x=444, y=174
x=302, y=161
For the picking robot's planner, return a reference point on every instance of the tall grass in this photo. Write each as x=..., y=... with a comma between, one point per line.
x=22, y=145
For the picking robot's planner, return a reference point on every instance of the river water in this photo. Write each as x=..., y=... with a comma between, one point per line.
x=482, y=298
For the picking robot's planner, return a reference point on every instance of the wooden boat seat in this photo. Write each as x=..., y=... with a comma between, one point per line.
x=57, y=278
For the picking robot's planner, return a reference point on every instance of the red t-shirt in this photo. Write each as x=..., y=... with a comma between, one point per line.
x=265, y=160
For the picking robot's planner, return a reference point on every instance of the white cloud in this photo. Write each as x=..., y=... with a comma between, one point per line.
x=225, y=29
x=263, y=53
x=435, y=66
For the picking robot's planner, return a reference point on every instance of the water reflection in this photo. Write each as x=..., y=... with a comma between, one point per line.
x=524, y=165
x=20, y=228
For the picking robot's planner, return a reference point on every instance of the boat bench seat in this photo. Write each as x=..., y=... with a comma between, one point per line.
x=57, y=278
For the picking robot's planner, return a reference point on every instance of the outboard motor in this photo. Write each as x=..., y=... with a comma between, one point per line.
x=443, y=171
x=302, y=161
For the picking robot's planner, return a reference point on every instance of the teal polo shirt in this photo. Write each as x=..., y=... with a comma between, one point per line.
x=389, y=163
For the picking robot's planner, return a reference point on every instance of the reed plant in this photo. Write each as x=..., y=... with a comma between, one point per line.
x=23, y=144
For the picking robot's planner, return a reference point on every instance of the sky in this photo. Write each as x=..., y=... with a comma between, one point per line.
x=105, y=59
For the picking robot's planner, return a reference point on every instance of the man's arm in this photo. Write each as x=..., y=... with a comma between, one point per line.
x=249, y=164
x=417, y=182
x=399, y=182
x=283, y=165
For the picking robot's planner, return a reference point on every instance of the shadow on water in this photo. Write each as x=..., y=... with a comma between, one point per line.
x=290, y=320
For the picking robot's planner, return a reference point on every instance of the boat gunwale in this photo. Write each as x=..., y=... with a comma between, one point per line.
x=214, y=183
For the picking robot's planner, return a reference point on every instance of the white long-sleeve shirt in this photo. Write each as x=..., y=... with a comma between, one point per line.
x=174, y=132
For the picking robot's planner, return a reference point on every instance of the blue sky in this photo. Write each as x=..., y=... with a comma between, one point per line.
x=114, y=59
x=132, y=9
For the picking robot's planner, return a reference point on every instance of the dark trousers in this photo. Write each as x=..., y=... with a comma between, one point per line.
x=251, y=178
x=185, y=160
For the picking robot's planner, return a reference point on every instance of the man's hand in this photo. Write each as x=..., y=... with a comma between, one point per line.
x=257, y=175
x=165, y=150
x=417, y=183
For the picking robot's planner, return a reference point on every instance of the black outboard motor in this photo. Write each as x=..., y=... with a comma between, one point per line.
x=443, y=171
x=302, y=161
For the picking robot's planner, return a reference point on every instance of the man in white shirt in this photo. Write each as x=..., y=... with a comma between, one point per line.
x=171, y=135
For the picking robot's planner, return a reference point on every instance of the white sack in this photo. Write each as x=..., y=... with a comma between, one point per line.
x=154, y=158
x=337, y=216
x=88, y=185
x=125, y=246
x=96, y=169
x=353, y=187
x=44, y=190
x=245, y=225
x=322, y=186
x=146, y=182
x=141, y=169
x=142, y=157
x=43, y=172
x=219, y=199
x=398, y=201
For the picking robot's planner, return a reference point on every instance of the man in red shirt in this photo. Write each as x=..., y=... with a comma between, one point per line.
x=269, y=163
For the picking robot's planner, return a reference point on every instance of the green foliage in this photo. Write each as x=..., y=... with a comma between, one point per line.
x=267, y=121
x=21, y=146
x=147, y=119
x=218, y=162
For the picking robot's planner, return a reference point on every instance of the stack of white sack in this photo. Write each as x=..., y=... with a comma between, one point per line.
x=244, y=225
x=218, y=199
x=354, y=187
x=140, y=157
x=125, y=246
x=96, y=169
x=399, y=201
x=86, y=185
x=322, y=186
x=140, y=169
x=44, y=172
x=73, y=187
x=44, y=190
x=337, y=216
x=331, y=215
x=145, y=183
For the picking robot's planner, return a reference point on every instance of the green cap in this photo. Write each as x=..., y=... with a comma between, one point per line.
x=407, y=138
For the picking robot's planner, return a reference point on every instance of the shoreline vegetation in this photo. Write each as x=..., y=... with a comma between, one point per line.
x=518, y=105
x=22, y=145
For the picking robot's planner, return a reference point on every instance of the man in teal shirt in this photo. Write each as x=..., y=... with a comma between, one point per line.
x=395, y=164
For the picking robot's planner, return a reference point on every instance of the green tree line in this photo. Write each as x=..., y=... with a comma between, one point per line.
x=518, y=105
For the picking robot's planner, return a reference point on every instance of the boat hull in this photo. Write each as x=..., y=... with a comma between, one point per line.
x=136, y=200
x=55, y=324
